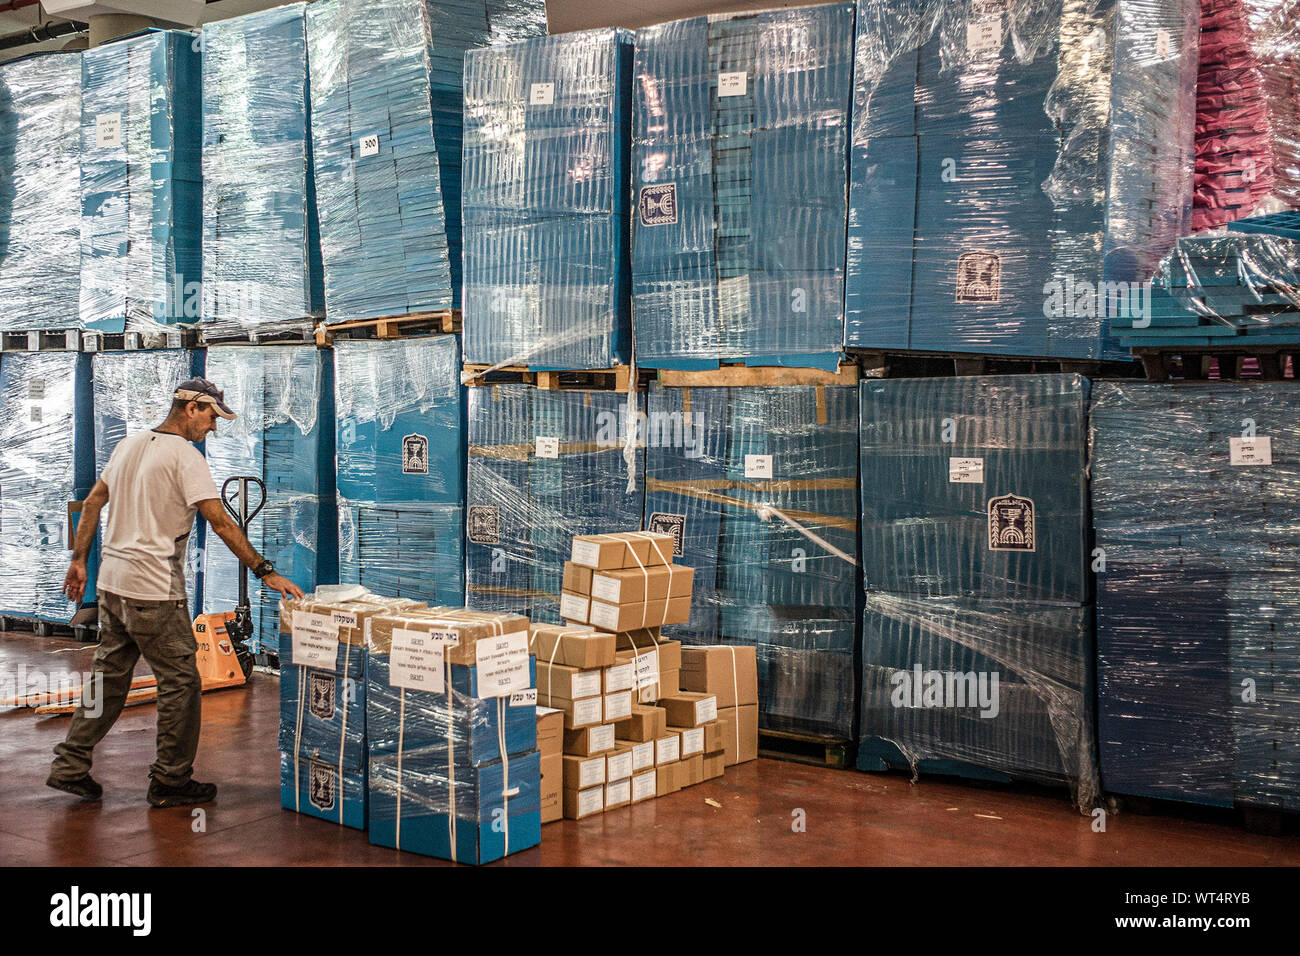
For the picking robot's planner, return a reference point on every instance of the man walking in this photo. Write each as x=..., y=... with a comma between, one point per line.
x=155, y=480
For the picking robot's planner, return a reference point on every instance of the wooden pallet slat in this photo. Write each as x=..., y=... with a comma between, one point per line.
x=1193, y=363
x=756, y=376
x=615, y=379
x=902, y=363
x=817, y=750
x=391, y=326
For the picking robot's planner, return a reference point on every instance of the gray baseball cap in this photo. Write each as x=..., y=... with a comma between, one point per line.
x=201, y=390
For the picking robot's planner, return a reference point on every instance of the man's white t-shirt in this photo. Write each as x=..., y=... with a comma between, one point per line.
x=155, y=482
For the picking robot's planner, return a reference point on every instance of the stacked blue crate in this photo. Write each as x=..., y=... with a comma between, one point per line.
x=740, y=177
x=133, y=392
x=141, y=182
x=261, y=242
x=547, y=136
x=1193, y=493
x=400, y=416
x=975, y=530
x=40, y=205
x=47, y=460
x=1006, y=161
x=716, y=457
x=543, y=466
x=284, y=434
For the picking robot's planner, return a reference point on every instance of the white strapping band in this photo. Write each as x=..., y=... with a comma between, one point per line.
x=765, y=512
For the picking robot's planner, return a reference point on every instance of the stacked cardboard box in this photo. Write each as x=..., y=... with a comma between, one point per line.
x=454, y=767
x=623, y=582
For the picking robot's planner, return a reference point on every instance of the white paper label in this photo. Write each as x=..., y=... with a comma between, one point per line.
x=758, y=466
x=365, y=631
x=618, y=706
x=586, y=553
x=415, y=662
x=706, y=710
x=619, y=765
x=732, y=84
x=345, y=620
x=108, y=130
x=1163, y=44
x=449, y=638
x=315, y=639
x=600, y=738
x=541, y=94
x=591, y=772
x=588, y=711
x=643, y=756
x=648, y=694
x=368, y=145
x=692, y=741
x=984, y=36
x=1251, y=451
x=966, y=471
x=585, y=684
x=605, y=588
x=573, y=607
x=524, y=698
x=548, y=448
x=619, y=677
x=604, y=615
x=618, y=792
x=643, y=786
x=502, y=664
x=647, y=669
x=591, y=801
x=668, y=749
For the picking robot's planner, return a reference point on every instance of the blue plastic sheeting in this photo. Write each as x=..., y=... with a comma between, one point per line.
x=547, y=141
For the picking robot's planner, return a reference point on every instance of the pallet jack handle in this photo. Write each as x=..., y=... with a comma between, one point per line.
x=236, y=502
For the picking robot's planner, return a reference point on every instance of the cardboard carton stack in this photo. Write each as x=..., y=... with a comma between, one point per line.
x=455, y=770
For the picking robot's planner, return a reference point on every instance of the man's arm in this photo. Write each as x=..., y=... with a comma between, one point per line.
x=221, y=522
x=74, y=582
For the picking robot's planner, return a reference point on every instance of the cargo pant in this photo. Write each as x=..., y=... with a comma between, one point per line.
x=161, y=631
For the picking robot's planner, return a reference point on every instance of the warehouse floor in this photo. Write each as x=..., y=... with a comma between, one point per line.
x=747, y=817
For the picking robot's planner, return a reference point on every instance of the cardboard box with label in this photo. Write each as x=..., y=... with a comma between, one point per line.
x=691, y=770
x=552, y=787
x=324, y=790
x=626, y=617
x=627, y=549
x=644, y=723
x=577, y=579
x=584, y=803
x=582, y=648
x=715, y=764
x=557, y=682
x=667, y=778
x=712, y=736
x=642, y=585
x=729, y=672
x=644, y=786
x=550, y=731
x=739, y=733
x=575, y=609
x=589, y=741
x=618, y=763
x=618, y=706
x=583, y=772
x=323, y=710
x=668, y=749
x=457, y=629
x=643, y=756
x=692, y=739
x=690, y=709
x=618, y=793
x=620, y=677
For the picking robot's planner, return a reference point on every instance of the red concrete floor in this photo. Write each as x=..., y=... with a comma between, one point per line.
x=746, y=817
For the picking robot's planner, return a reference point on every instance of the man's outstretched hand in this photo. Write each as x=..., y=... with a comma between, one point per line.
x=278, y=582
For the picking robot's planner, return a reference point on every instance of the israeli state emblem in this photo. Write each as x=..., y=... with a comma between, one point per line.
x=322, y=786
x=320, y=690
x=415, y=455
x=1011, y=524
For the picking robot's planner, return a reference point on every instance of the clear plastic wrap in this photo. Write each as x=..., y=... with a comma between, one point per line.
x=261, y=242
x=717, y=458
x=283, y=396
x=547, y=140
x=1018, y=169
x=47, y=460
x=740, y=179
x=977, y=638
x=543, y=466
x=40, y=206
x=401, y=462
x=133, y=392
x=141, y=183
x=1193, y=493
x=1247, y=110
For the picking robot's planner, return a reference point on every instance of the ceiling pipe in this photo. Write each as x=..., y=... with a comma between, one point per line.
x=40, y=34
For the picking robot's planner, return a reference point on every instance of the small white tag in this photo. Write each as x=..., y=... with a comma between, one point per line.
x=541, y=94
x=502, y=664
x=585, y=684
x=619, y=677
x=643, y=787
x=315, y=640
x=415, y=662
x=706, y=710
x=1250, y=451
x=758, y=466
x=619, y=765
x=591, y=801
x=984, y=36
x=643, y=755
x=591, y=772
x=605, y=588
x=587, y=711
x=668, y=749
x=966, y=471
x=548, y=448
x=1164, y=44
x=647, y=669
x=693, y=741
x=618, y=792
x=601, y=739
x=732, y=84
x=604, y=616
x=586, y=553
x=618, y=706
x=573, y=607
x=108, y=130
x=368, y=145
x=524, y=698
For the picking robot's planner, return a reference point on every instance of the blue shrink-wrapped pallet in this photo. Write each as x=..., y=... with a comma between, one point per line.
x=739, y=172
x=40, y=204
x=284, y=434
x=454, y=768
x=1193, y=500
x=261, y=239
x=1017, y=170
x=547, y=139
x=400, y=416
x=716, y=460
x=543, y=466
x=47, y=460
x=141, y=182
x=133, y=392
x=977, y=637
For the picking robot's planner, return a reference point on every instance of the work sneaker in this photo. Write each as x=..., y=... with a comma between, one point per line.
x=161, y=795
x=84, y=787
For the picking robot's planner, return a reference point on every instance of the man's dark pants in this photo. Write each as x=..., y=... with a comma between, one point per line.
x=160, y=630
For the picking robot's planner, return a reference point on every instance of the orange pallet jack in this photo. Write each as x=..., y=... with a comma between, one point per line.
x=222, y=651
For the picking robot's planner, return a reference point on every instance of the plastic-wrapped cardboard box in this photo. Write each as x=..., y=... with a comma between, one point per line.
x=739, y=733
x=729, y=672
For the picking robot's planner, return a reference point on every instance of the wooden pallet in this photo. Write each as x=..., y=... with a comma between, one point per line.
x=139, y=341
x=746, y=376
x=815, y=749
x=86, y=630
x=297, y=333
x=41, y=340
x=1269, y=821
x=604, y=379
x=390, y=327
x=1194, y=363
x=905, y=364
